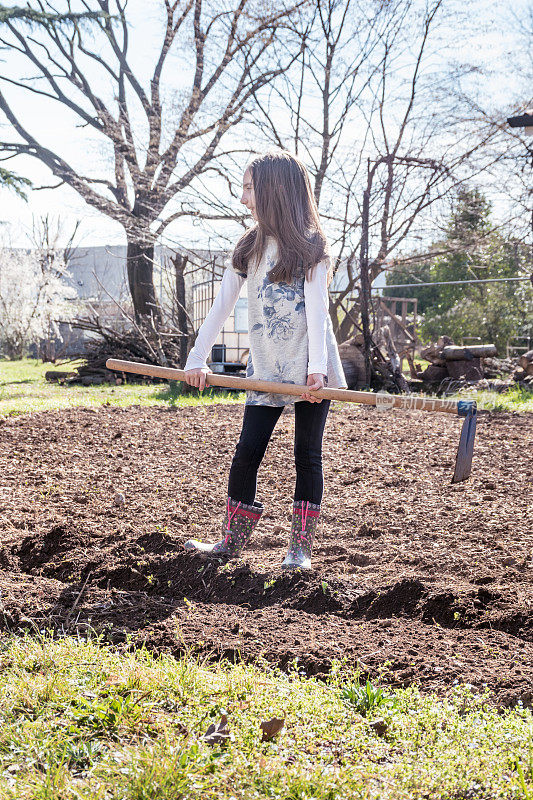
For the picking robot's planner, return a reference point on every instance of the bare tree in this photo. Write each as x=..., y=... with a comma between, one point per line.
x=228, y=45
x=54, y=260
x=389, y=134
x=167, y=343
x=31, y=16
x=36, y=17
x=36, y=294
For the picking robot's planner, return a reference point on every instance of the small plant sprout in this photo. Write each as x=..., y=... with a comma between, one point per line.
x=365, y=697
x=190, y=606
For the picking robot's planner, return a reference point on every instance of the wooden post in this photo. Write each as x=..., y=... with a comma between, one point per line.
x=180, y=262
x=365, y=281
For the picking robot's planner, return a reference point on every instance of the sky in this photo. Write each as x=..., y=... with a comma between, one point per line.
x=493, y=46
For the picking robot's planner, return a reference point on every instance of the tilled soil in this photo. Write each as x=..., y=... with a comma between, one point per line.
x=416, y=580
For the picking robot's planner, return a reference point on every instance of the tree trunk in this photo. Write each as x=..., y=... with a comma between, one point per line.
x=180, y=263
x=453, y=353
x=395, y=361
x=526, y=362
x=140, y=261
x=353, y=362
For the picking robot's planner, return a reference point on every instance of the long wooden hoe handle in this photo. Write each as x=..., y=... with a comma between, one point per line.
x=381, y=400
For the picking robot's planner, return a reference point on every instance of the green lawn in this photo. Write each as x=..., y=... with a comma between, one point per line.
x=516, y=399
x=23, y=388
x=79, y=720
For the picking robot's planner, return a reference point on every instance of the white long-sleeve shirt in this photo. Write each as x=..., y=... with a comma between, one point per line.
x=316, y=312
x=290, y=330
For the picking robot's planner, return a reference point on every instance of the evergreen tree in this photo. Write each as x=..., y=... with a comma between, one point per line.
x=494, y=312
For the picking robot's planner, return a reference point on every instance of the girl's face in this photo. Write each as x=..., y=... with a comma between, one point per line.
x=248, y=197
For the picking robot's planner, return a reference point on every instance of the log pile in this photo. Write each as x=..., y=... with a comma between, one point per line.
x=518, y=371
x=473, y=365
x=526, y=363
x=353, y=361
x=458, y=363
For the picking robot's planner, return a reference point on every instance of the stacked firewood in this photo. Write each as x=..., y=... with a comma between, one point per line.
x=474, y=364
x=520, y=368
x=502, y=374
x=353, y=361
x=526, y=364
x=450, y=361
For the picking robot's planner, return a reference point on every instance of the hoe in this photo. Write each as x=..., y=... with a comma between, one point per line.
x=383, y=401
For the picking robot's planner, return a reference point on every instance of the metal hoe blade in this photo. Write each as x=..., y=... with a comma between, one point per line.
x=463, y=461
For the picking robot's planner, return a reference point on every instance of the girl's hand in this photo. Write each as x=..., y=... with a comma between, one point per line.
x=196, y=378
x=314, y=381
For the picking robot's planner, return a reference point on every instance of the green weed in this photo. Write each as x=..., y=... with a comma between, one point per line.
x=516, y=399
x=365, y=697
x=103, y=716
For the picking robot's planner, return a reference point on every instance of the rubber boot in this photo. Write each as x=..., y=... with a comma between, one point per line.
x=305, y=518
x=241, y=521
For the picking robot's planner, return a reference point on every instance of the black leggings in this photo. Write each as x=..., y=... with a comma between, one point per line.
x=257, y=427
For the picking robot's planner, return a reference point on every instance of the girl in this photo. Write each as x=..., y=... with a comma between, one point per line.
x=284, y=258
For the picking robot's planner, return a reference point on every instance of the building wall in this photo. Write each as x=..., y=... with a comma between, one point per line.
x=234, y=334
x=99, y=275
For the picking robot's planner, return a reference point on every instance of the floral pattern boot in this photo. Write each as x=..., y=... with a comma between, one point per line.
x=241, y=521
x=305, y=518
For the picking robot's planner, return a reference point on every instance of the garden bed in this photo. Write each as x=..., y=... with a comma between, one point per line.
x=415, y=579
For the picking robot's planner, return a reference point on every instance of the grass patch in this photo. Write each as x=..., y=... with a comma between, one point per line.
x=23, y=389
x=515, y=399
x=420, y=362
x=79, y=720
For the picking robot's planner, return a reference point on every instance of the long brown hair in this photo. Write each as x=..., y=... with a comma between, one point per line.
x=286, y=209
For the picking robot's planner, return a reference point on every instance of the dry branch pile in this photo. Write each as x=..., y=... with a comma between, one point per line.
x=385, y=372
x=143, y=342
